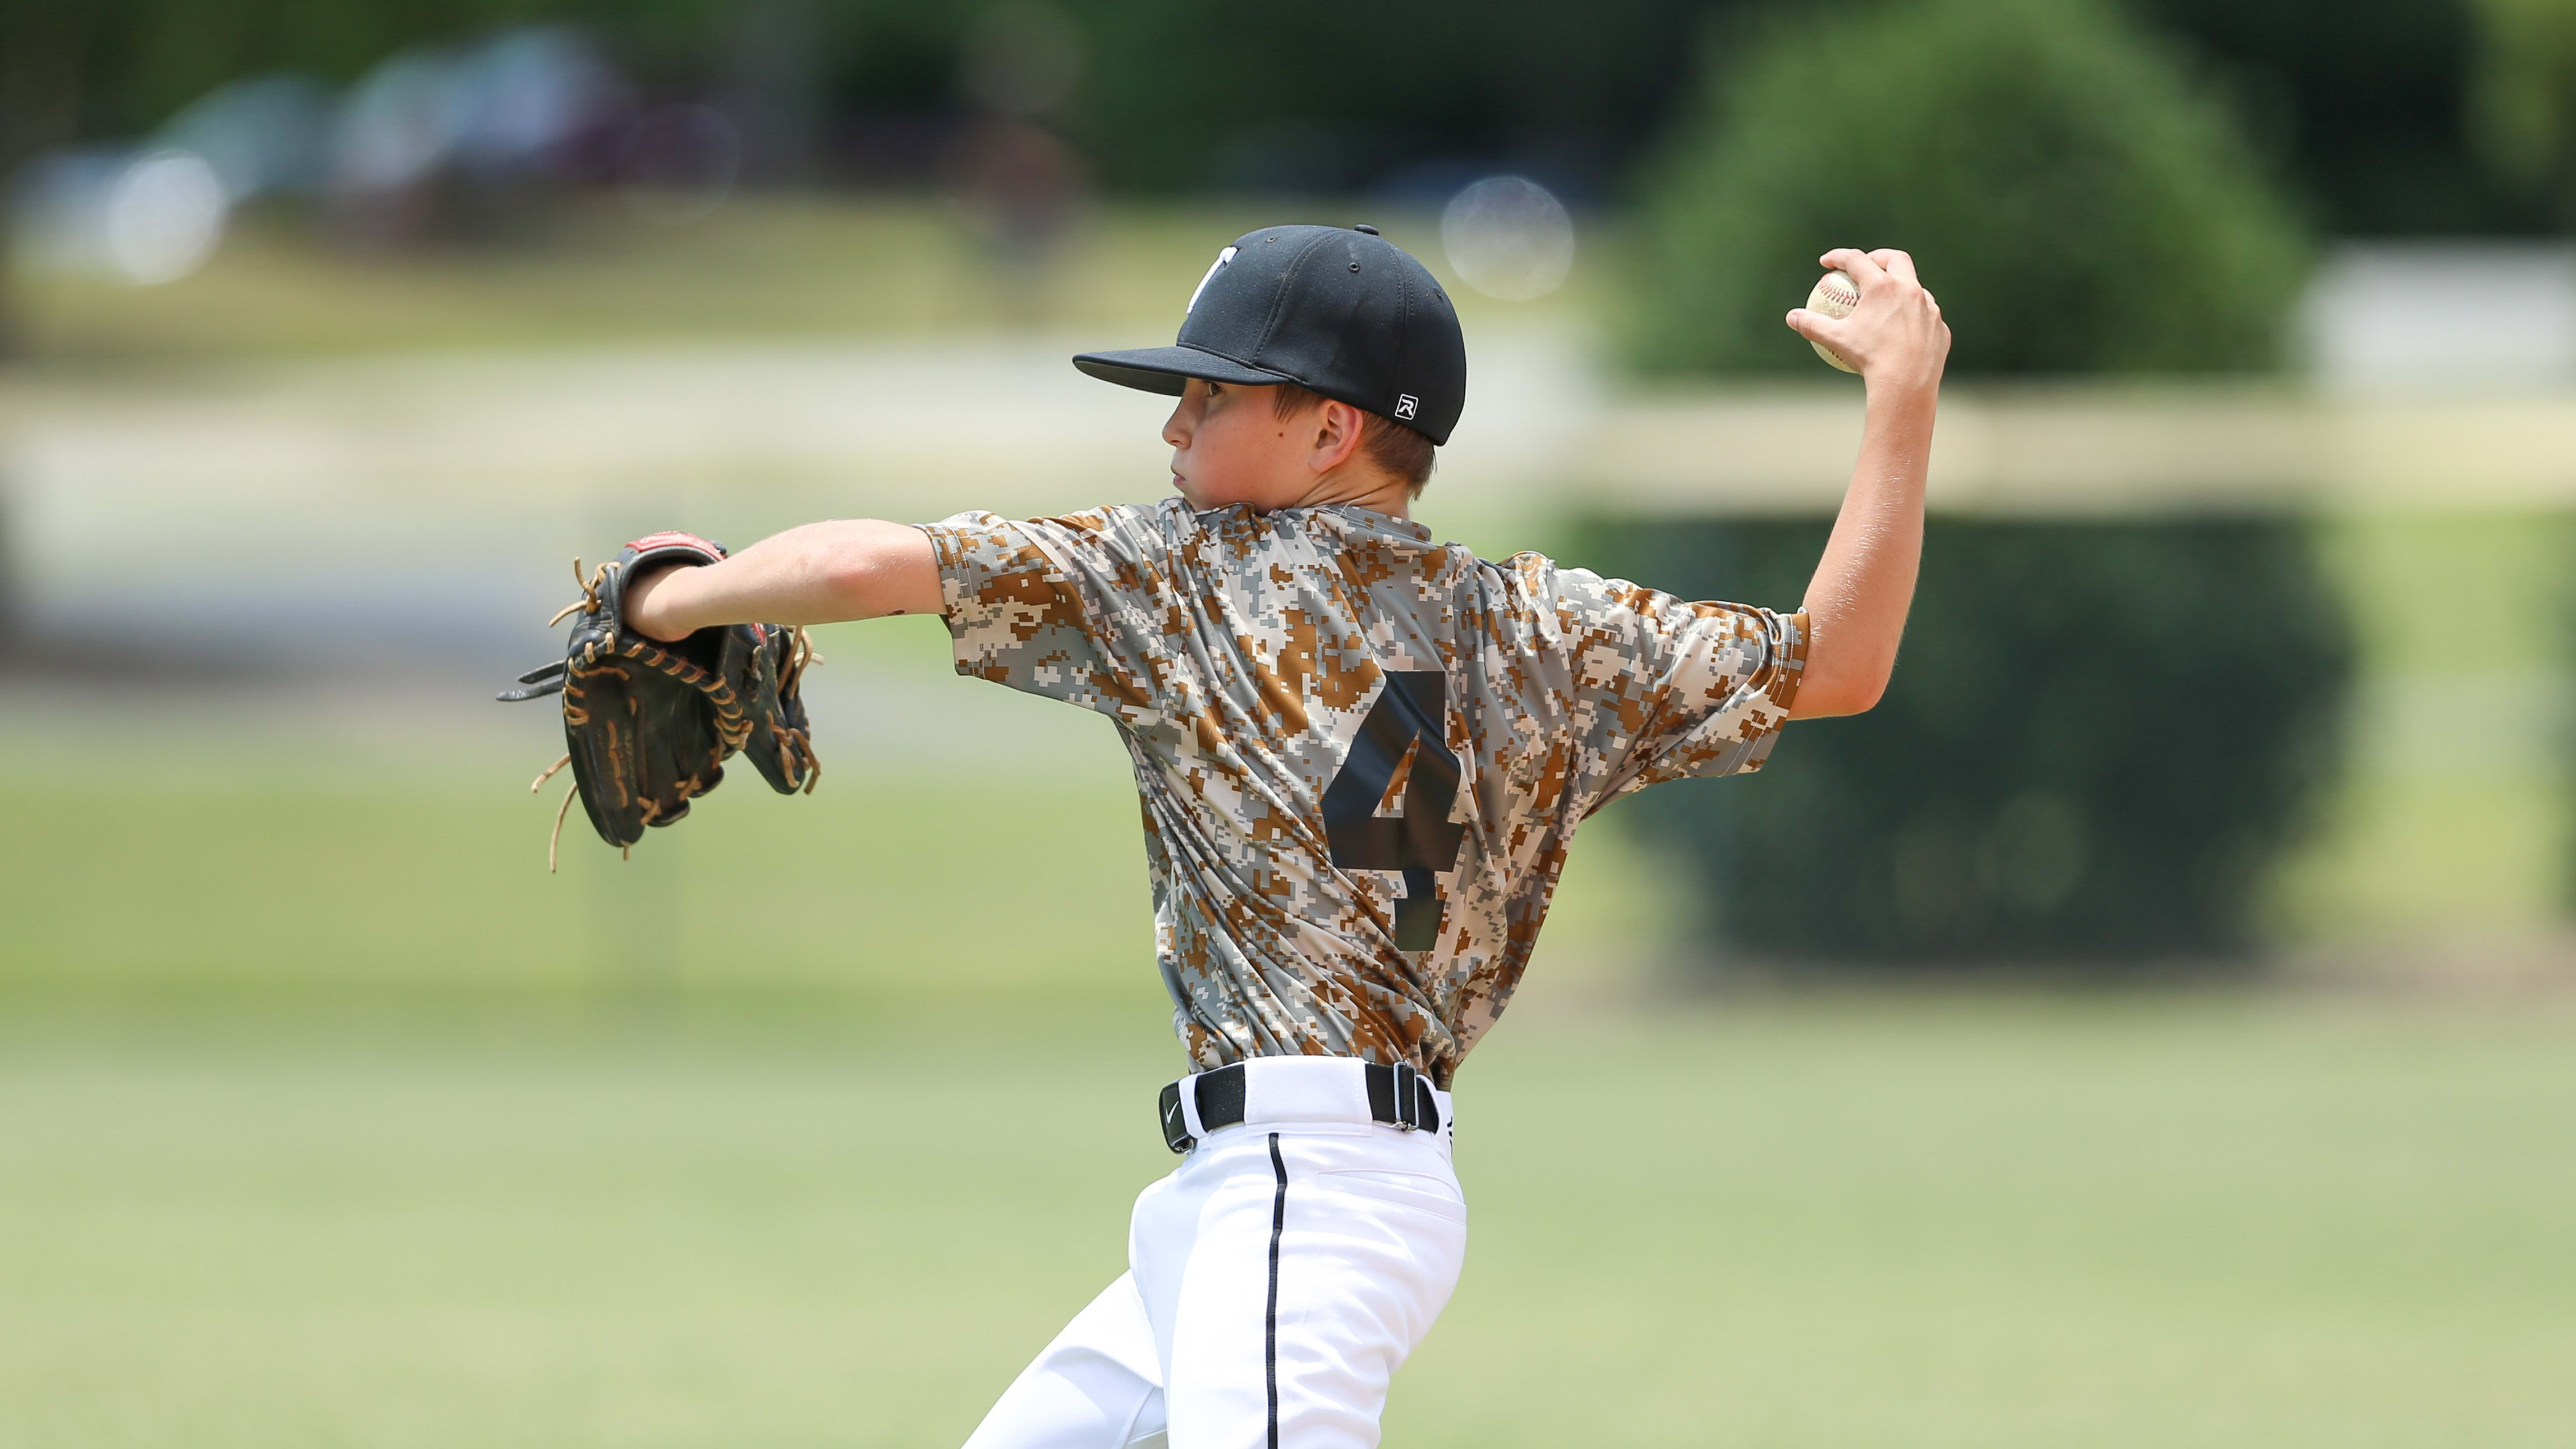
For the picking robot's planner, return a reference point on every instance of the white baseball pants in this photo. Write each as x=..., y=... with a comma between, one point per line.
x=1275, y=1281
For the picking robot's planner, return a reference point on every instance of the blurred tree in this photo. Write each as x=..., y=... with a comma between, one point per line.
x=1338, y=98
x=2365, y=103
x=1179, y=92
x=2079, y=205
x=46, y=50
x=2364, y=97
x=2100, y=735
x=2526, y=97
x=773, y=87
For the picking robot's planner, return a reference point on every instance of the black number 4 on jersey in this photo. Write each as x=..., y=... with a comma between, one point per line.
x=1404, y=725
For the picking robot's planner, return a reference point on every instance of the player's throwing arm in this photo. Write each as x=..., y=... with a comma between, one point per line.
x=1871, y=315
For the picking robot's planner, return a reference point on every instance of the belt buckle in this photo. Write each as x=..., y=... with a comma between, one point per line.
x=1408, y=1108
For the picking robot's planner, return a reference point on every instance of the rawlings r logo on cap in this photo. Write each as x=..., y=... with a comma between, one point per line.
x=1341, y=312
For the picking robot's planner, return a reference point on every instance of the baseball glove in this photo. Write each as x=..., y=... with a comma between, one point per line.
x=648, y=725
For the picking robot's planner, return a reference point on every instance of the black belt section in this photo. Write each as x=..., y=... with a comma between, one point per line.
x=1398, y=1096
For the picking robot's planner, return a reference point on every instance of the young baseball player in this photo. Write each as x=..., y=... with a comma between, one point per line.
x=1363, y=755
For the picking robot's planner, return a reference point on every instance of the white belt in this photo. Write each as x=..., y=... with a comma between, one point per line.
x=1299, y=1089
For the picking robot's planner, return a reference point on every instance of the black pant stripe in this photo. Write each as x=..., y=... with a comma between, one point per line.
x=1270, y=1315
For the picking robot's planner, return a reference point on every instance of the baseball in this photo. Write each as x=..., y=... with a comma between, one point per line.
x=1836, y=294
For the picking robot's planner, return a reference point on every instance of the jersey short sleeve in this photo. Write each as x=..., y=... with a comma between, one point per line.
x=1657, y=688
x=1072, y=608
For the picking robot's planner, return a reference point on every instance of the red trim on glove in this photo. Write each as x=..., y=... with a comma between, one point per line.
x=673, y=539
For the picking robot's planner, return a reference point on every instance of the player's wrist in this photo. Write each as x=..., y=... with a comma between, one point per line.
x=1900, y=389
x=655, y=604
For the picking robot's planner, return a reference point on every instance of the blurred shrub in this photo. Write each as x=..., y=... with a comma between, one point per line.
x=2098, y=740
x=2099, y=736
x=2524, y=99
x=2076, y=205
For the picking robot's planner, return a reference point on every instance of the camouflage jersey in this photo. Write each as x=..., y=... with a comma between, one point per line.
x=1363, y=754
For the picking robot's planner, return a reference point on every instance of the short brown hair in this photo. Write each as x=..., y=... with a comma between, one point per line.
x=1389, y=444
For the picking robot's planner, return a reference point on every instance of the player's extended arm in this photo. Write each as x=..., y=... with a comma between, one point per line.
x=821, y=573
x=1857, y=601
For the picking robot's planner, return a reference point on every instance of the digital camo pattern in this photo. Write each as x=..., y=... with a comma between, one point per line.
x=1252, y=662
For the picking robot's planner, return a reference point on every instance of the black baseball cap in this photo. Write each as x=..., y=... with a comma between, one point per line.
x=1339, y=311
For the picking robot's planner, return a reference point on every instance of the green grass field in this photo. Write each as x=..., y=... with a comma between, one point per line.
x=328, y=1118
x=2454, y=813
x=165, y=878
x=2219, y=1222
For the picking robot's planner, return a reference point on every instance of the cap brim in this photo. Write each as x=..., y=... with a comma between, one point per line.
x=1168, y=370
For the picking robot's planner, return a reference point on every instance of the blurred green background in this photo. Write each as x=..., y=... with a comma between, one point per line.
x=329, y=1117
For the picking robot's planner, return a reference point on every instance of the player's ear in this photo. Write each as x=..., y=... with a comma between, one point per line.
x=1337, y=435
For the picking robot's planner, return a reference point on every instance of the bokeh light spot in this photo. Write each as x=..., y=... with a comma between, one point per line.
x=164, y=217
x=1508, y=237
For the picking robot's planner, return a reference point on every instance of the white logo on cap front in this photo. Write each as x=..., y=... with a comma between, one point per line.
x=1222, y=258
x=1406, y=405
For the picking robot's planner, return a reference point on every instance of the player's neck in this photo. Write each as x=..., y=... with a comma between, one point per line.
x=1354, y=485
